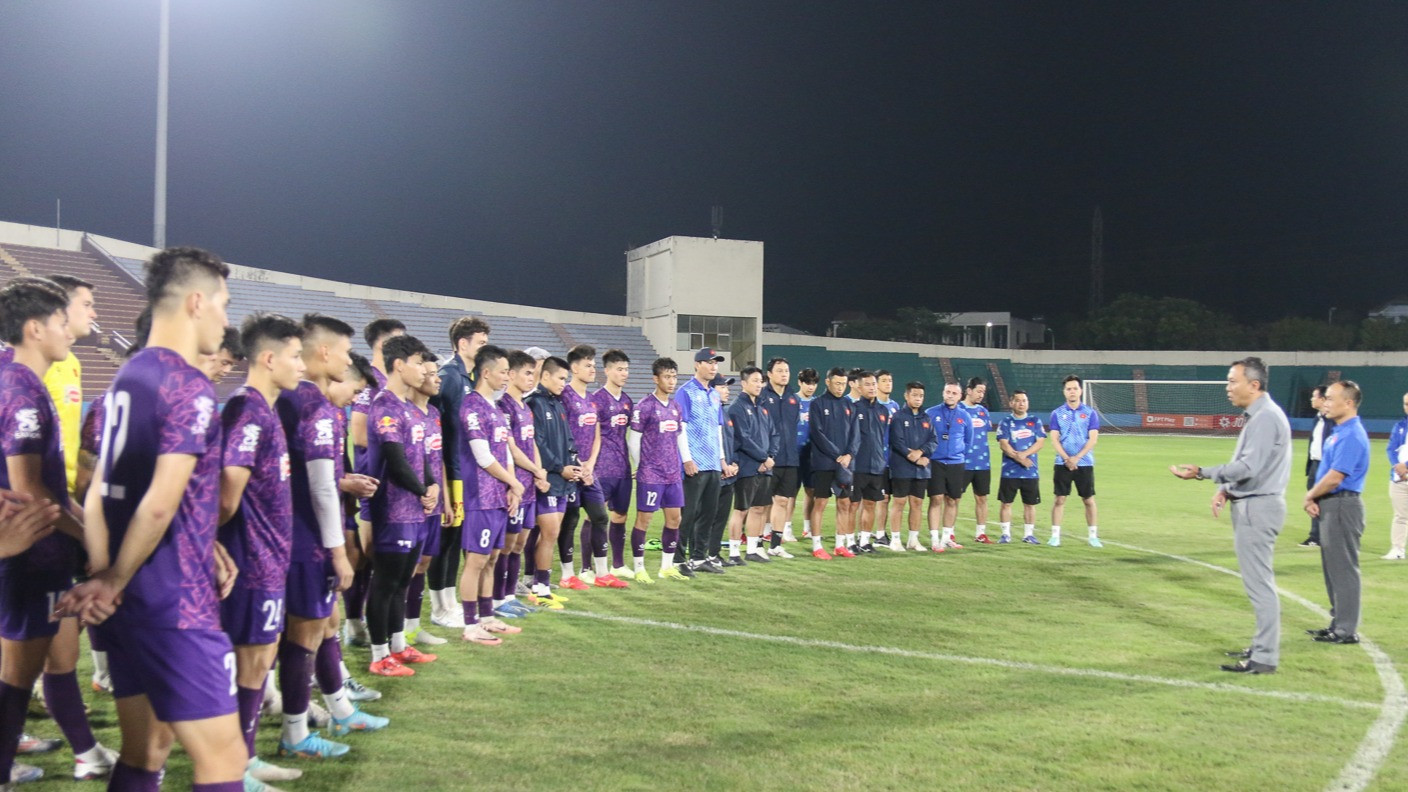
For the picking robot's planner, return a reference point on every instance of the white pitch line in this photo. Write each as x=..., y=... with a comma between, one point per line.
x=1373, y=750
x=1013, y=665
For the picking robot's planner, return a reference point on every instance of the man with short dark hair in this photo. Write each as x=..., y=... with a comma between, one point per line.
x=885, y=388
x=786, y=410
x=807, y=381
x=1020, y=436
x=586, y=434
x=834, y=441
x=977, y=463
x=613, y=417
x=701, y=415
x=468, y=335
x=1314, y=448
x=657, y=446
x=912, y=444
x=1074, y=429
x=1254, y=482
x=756, y=445
x=65, y=378
x=1335, y=500
x=1398, y=486
x=154, y=592
x=871, y=482
x=954, y=429
x=558, y=453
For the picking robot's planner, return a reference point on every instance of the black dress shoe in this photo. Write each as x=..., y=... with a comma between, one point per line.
x=1337, y=639
x=1318, y=634
x=1241, y=654
x=1250, y=667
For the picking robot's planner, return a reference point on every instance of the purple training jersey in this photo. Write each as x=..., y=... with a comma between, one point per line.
x=613, y=415
x=313, y=429
x=520, y=428
x=90, y=435
x=160, y=404
x=659, y=426
x=394, y=420
x=362, y=403
x=581, y=419
x=480, y=419
x=434, y=452
x=260, y=534
x=31, y=426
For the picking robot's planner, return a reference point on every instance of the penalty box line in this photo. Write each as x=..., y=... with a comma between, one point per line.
x=1011, y=665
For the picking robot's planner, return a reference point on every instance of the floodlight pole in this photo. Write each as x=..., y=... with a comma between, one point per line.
x=162, y=84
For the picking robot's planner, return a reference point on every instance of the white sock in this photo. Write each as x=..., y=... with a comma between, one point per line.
x=346, y=674
x=599, y=566
x=498, y=603
x=639, y=562
x=667, y=561
x=948, y=533
x=752, y=544
x=436, y=608
x=840, y=541
x=543, y=590
x=787, y=527
x=914, y=537
x=733, y=545
x=1006, y=529
x=934, y=536
x=865, y=537
x=807, y=526
x=1093, y=531
x=567, y=571
x=339, y=704
x=271, y=685
x=100, y=662
x=93, y=754
x=295, y=728
x=412, y=626
x=850, y=540
x=1029, y=529
x=380, y=652
x=398, y=641
x=982, y=530
x=1055, y=530
x=767, y=529
x=816, y=544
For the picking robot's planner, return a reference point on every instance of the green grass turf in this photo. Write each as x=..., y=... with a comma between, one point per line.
x=583, y=703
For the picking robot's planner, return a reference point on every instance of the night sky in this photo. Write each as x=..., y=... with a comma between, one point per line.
x=1254, y=156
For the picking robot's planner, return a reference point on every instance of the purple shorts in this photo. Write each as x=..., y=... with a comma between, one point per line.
x=26, y=601
x=310, y=591
x=187, y=675
x=618, y=494
x=431, y=545
x=252, y=617
x=484, y=530
x=591, y=494
x=398, y=537
x=551, y=504
x=653, y=497
x=524, y=518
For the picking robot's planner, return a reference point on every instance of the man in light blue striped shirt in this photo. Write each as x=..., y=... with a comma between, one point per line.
x=700, y=409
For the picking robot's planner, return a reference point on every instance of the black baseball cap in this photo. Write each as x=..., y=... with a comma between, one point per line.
x=720, y=379
x=707, y=353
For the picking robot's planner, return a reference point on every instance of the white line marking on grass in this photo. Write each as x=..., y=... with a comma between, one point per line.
x=1373, y=750
x=1094, y=673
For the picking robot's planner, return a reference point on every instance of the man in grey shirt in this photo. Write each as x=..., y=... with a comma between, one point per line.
x=1255, y=483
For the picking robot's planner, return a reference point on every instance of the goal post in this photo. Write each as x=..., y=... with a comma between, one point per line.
x=1193, y=407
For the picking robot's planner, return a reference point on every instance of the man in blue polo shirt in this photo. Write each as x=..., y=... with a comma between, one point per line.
x=1344, y=465
x=1074, y=430
x=701, y=413
x=954, y=428
x=1020, y=436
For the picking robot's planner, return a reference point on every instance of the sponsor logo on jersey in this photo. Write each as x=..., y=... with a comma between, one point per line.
x=73, y=394
x=27, y=424
x=668, y=425
x=1022, y=434
x=205, y=408
x=471, y=421
x=285, y=469
x=250, y=442
x=620, y=419
x=434, y=442
x=500, y=434
x=417, y=433
x=324, y=429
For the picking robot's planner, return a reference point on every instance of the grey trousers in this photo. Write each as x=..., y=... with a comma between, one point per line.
x=1341, y=528
x=1256, y=522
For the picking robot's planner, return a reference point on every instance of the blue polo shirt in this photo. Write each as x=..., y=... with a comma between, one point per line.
x=1396, y=440
x=700, y=409
x=1347, y=450
x=979, y=453
x=954, y=429
x=1075, y=425
x=1020, y=433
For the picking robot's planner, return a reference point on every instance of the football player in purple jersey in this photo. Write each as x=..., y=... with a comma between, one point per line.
x=491, y=494
x=444, y=510
x=376, y=334
x=527, y=466
x=613, y=469
x=396, y=457
x=34, y=321
x=256, y=514
x=656, y=441
x=586, y=434
x=150, y=531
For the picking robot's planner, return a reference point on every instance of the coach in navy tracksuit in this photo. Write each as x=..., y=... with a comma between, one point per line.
x=912, y=444
x=873, y=427
x=785, y=407
x=757, y=446
x=834, y=443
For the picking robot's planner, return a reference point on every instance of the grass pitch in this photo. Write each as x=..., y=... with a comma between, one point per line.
x=1005, y=667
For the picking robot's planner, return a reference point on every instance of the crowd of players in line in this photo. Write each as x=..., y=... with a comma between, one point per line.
x=210, y=544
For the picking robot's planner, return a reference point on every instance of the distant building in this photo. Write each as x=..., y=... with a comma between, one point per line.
x=778, y=327
x=994, y=330
x=1395, y=310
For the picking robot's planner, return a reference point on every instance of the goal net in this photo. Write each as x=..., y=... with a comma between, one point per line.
x=1195, y=407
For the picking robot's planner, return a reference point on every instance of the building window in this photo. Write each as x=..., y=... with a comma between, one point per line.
x=734, y=334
